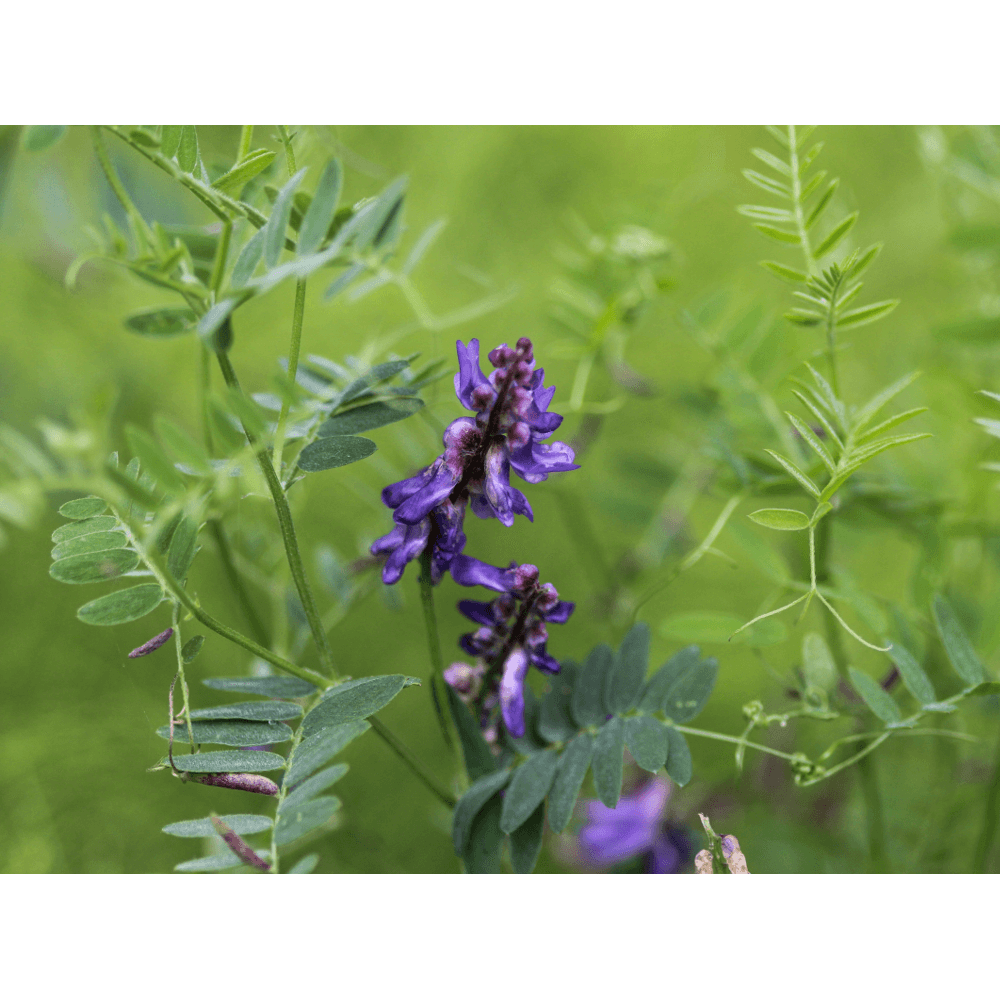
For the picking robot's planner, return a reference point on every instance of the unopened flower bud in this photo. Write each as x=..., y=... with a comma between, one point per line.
x=519, y=434
x=525, y=577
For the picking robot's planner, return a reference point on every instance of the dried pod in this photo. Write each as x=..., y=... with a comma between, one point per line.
x=238, y=845
x=153, y=644
x=242, y=782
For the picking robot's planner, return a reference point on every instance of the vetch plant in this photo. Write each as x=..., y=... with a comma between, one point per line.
x=533, y=736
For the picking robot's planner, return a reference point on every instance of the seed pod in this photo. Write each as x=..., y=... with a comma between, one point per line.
x=153, y=644
x=734, y=856
x=242, y=782
x=703, y=863
x=238, y=845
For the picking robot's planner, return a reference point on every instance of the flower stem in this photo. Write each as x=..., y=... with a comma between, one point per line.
x=287, y=528
x=294, y=346
x=438, y=694
x=413, y=762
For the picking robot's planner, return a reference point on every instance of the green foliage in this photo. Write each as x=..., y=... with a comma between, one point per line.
x=613, y=706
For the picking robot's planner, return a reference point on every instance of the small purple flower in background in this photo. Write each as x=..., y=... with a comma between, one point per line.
x=506, y=433
x=636, y=827
x=512, y=636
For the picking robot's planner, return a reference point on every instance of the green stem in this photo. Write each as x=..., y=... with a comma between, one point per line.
x=991, y=815
x=236, y=583
x=867, y=777
x=800, y=222
x=246, y=141
x=115, y=182
x=709, y=735
x=294, y=346
x=286, y=141
x=221, y=253
x=413, y=762
x=438, y=694
x=179, y=650
x=287, y=528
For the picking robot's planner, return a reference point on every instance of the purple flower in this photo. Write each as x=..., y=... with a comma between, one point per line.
x=511, y=419
x=635, y=827
x=512, y=633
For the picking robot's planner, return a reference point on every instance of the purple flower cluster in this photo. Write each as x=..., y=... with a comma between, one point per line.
x=507, y=432
x=510, y=638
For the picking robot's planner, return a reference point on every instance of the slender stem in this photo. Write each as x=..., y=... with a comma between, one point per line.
x=991, y=815
x=294, y=346
x=820, y=554
x=204, y=388
x=413, y=762
x=438, y=694
x=221, y=253
x=115, y=182
x=236, y=583
x=179, y=650
x=287, y=527
x=286, y=141
x=709, y=735
x=246, y=141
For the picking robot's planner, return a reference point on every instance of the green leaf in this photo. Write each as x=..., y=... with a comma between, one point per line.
x=183, y=446
x=370, y=416
x=888, y=424
x=216, y=862
x=192, y=648
x=485, y=843
x=249, y=258
x=526, y=842
x=916, y=681
x=233, y=181
x=764, y=213
x=625, y=679
x=796, y=473
x=423, y=244
x=83, y=508
x=647, y=742
x=277, y=224
x=355, y=699
x=873, y=407
x=609, y=746
x=139, y=495
x=305, y=866
x=38, y=138
x=470, y=804
x=780, y=519
x=866, y=314
x=272, y=687
x=824, y=199
x=322, y=208
x=654, y=697
x=96, y=541
x=779, y=235
x=229, y=762
x=476, y=752
x=687, y=696
x=94, y=567
x=573, y=766
x=251, y=711
x=873, y=695
x=956, y=644
x=810, y=437
x=772, y=161
x=154, y=460
x=303, y=818
x=527, y=789
x=162, y=321
x=679, y=765
x=316, y=750
x=768, y=184
x=122, y=606
x=377, y=217
x=182, y=548
x=835, y=236
x=587, y=703
x=555, y=718
x=240, y=823
x=334, y=452
x=312, y=786
x=230, y=733
x=818, y=666
x=92, y=524
x=785, y=273
x=187, y=149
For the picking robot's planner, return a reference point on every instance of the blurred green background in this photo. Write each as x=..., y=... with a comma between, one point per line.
x=77, y=717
